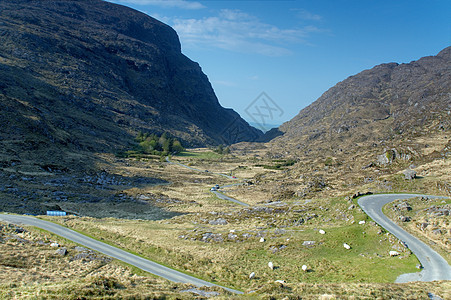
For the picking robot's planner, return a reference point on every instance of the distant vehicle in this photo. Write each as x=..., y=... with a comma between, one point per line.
x=233, y=177
x=206, y=171
x=217, y=186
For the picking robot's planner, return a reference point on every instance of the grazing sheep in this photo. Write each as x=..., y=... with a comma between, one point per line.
x=346, y=246
x=393, y=253
x=54, y=244
x=304, y=268
x=281, y=281
x=361, y=222
x=322, y=231
x=262, y=240
x=252, y=275
x=271, y=265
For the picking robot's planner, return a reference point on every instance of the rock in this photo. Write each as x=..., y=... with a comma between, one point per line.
x=393, y=253
x=404, y=219
x=201, y=293
x=271, y=265
x=308, y=243
x=437, y=231
x=61, y=251
x=304, y=268
x=252, y=275
x=409, y=174
x=419, y=266
x=423, y=226
x=232, y=236
x=405, y=206
x=322, y=231
x=219, y=221
x=80, y=249
x=346, y=246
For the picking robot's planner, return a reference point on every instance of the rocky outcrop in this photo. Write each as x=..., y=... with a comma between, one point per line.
x=384, y=102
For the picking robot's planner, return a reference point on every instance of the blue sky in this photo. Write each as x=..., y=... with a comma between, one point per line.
x=293, y=51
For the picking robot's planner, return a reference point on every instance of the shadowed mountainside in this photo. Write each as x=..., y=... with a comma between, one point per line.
x=88, y=75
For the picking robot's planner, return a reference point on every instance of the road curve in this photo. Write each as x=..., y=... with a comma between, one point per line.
x=435, y=266
x=217, y=193
x=139, y=262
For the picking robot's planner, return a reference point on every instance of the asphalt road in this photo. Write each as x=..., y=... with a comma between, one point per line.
x=435, y=267
x=217, y=193
x=139, y=262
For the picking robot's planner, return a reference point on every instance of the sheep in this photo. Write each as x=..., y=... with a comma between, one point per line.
x=262, y=240
x=346, y=246
x=252, y=275
x=361, y=222
x=304, y=268
x=280, y=281
x=271, y=265
x=393, y=253
x=322, y=231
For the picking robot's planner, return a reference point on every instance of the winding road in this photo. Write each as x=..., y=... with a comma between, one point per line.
x=435, y=266
x=216, y=192
x=134, y=260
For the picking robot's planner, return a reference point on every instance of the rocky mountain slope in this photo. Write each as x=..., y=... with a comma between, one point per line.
x=87, y=75
x=386, y=102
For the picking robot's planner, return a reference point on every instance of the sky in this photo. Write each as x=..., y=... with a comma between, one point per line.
x=269, y=59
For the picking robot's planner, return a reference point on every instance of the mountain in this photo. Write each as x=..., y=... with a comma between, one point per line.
x=88, y=75
x=387, y=102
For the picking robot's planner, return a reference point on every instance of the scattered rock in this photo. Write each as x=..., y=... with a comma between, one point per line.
x=54, y=244
x=404, y=219
x=308, y=243
x=219, y=221
x=409, y=174
x=201, y=293
x=61, y=251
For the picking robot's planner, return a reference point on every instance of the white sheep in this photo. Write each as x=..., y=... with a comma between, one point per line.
x=361, y=222
x=280, y=281
x=262, y=240
x=304, y=268
x=393, y=253
x=271, y=265
x=252, y=275
x=322, y=231
x=346, y=246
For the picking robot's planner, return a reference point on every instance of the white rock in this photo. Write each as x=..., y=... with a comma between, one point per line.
x=54, y=244
x=262, y=240
x=361, y=222
x=346, y=246
x=393, y=253
x=304, y=268
x=322, y=231
x=252, y=275
x=271, y=265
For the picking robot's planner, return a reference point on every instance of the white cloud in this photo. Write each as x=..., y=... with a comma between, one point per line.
x=238, y=31
x=183, y=4
x=306, y=15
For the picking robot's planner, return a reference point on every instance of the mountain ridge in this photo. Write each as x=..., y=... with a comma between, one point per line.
x=89, y=75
